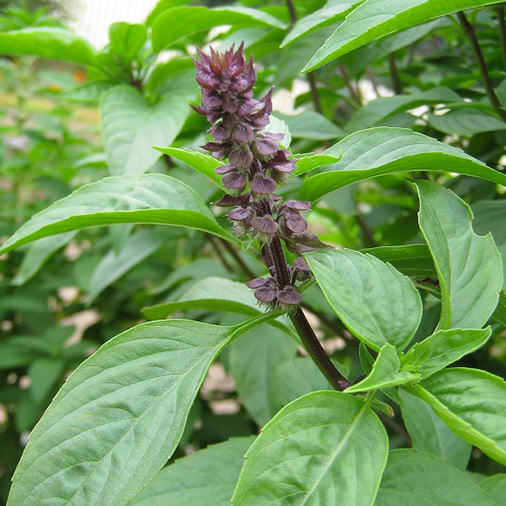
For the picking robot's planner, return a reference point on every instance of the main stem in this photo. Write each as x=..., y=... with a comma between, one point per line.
x=480, y=60
x=311, y=343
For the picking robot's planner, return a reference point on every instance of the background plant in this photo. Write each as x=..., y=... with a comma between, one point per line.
x=162, y=250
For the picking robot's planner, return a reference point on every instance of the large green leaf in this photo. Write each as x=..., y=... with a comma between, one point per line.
x=495, y=487
x=331, y=12
x=385, y=372
x=48, y=42
x=127, y=39
x=430, y=434
x=202, y=478
x=387, y=150
x=414, y=260
x=128, y=400
x=37, y=255
x=377, y=303
x=252, y=362
x=443, y=348
x=374, y=19
x=473, y=405
x=201, y=162
x=323, y=448
x=469, y=266
x=151, y=198
x=137, y=248
x=466, y=122
x=187, y=20
x=131, y=127
x=381, y=108
x=415, y=478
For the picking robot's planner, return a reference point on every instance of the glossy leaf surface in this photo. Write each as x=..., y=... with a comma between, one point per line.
x=323, y=448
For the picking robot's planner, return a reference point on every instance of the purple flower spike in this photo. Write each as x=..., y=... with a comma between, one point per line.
x=256, y=283
x=266, y=294
x=234, y=181
x=263, y=185
x=265, y=224
x=289, y=295
x=266, y=147
x=241, y=156
x=239, y=214
x=224, y=169
x=297, y=205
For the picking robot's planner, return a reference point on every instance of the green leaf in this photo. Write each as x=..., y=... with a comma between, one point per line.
x=187, y=20
x=131, y=398
x=201, y=162
x=137, y=248
x=385, y=372
x=331, y=12
x=473, y=405
x=44, y=372
x=311, y=125
x=466, y=122
x=297, y=377
x=378, y=110
x=443, y=348
x=38, y=254
x=419, y=479
x=495, y=487
x=385, y=150
x=151, y=198
x=127, y=40
x=430, y=434
x=204, y=477
x=490, y=216
x=377, y=303
x=48, y=42
x=374, y=19
x=131, y=127
x=413, y=260
x=323, y=448
x=309, y=162
x=252, y=362
x=469, y=266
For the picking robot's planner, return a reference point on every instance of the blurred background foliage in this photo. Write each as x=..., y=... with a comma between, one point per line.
x=94, y=284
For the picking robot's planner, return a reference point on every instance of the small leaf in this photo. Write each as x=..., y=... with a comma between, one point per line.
x=443, y=348
x=323, y=448
x=127, y=39
x=48, y=42
x=385, y=150
x=131, y=127
x=469, y=266
x=44, y=372
x=374, y=19
x=131, y=398
x=377, y=303
x=419, y=479
x=204, y=477
x=151, y=198
x=465, y=122
x=385, y=373
x=473, y=405
x=38, y=254
x=311, y=125
x=430, y=434
x=187, y=20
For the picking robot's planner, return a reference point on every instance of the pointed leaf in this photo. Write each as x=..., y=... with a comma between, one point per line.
x=311, y=125
x=48, y=42
x=205, y=477
x=323, y=448
x=151, y=198
x=374, y=19
x=187, y=20
x=377, y=303
x=473, y=405
x=430, y=434
x=419, y=479
x=127, y=39
x=385, y=150
x=385, y=372
x=469, y=266
x=443, y=348
x=306, y=163
x=129, y=399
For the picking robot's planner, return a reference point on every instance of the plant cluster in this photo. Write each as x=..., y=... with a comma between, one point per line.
x=272, y=300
